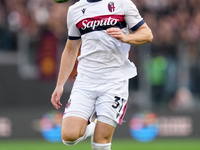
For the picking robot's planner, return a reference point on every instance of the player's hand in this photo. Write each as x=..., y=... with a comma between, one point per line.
x=55, y=98
x=116, y=33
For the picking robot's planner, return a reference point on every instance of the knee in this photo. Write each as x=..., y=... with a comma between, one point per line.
x=71, y=135
x=73, y=128
x=71, y=138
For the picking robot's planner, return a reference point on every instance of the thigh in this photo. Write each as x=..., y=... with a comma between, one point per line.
x=103, y=133
x=73, y=128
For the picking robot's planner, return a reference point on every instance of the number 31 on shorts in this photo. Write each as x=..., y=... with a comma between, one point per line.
x=120, y=103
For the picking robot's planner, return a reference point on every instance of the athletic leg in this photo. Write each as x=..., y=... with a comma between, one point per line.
x=78, y=111
x=103, y=134
x=110, y=106
x=75, y=129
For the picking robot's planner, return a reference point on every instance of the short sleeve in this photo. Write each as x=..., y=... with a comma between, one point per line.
x=132, y=15
x=73, y=32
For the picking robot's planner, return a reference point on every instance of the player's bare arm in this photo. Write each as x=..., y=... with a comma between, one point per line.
x=68, y=59
x=141, y=36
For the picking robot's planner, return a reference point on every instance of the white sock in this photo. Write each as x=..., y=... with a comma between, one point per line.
x=97, y=146
x=88, y=132
x=90, y=129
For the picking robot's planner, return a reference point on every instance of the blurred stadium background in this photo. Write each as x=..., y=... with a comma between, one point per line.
x=164, y=102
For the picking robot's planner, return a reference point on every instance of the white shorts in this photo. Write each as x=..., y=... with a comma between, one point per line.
x=109, y=100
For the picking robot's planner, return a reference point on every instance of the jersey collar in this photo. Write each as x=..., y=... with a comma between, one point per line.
x=92, y=1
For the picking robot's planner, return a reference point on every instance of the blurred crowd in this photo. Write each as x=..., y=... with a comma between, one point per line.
x=171, y=21
x=175, y=49
x=32, y=17
x=174, y=23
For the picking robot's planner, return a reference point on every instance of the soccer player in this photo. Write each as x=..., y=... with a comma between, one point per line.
x=101, y=29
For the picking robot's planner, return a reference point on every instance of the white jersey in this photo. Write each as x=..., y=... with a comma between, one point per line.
x=103, y=58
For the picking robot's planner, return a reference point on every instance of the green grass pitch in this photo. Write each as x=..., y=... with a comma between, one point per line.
x=117, y=144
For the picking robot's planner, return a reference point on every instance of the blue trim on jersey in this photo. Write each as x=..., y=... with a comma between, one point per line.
x=92, y=1
x=74, y=37
x=137, y=25
x=120, y=25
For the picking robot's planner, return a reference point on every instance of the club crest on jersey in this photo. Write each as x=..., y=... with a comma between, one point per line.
x=111, y=7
